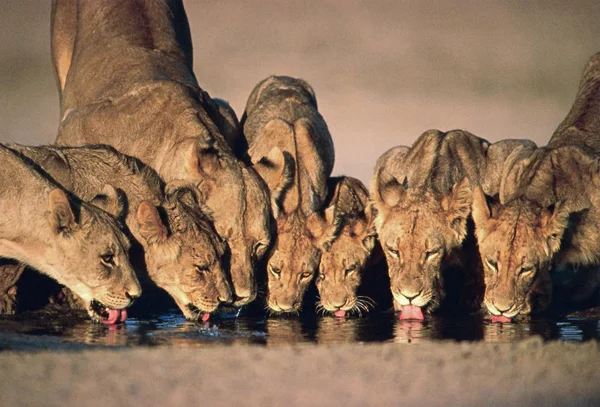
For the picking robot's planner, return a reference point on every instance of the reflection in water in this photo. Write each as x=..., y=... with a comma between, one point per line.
x=49, y=329
x=338, y=330
x=412, y=331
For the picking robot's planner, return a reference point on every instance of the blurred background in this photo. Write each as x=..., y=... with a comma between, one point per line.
x=383, y=71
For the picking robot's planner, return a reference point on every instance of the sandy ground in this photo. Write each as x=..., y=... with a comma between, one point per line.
x=529, y=373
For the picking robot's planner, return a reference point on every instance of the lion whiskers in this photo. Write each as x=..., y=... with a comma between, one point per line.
x=319, y=308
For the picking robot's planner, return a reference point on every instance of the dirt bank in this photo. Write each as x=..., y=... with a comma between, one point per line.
x=526, y=373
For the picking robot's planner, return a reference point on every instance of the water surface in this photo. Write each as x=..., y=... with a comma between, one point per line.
x=52, y=330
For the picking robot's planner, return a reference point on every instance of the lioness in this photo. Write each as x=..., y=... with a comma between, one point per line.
x=74, y=242
x=345, y=256
x=124, y=71
x=546, y=215
x=291, y=148
x=182, y=252
x=422, y=196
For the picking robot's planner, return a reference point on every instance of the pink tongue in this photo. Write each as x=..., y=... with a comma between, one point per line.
x=205, y=317
x=340, y=313
x=114, y=316
x=500, y=318
x=411, y=312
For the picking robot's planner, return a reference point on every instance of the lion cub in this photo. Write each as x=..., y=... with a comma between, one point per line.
x=292, y=150
x=181, y=249
x=346, y=255
x=74, y=242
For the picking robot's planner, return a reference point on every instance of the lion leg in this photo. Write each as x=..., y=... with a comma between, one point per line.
x=10, y=271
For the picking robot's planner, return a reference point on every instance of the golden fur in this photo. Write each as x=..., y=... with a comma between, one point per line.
x=581, y=127
x=422, y=196
x=546, y=216
x=185, y=260
x=291, y=148
x=51, y=230
x=345, y=256
x=542, y=227
x=125, y=78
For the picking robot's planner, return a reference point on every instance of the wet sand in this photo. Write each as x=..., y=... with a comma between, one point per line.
x=530, y=372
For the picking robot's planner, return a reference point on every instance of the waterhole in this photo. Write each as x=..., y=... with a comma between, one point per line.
x=57, y=330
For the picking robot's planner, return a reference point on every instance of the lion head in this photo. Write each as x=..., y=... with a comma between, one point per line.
x=348, y=248
x=183, y=253
x=517, y=242
x=294, y=261
x=417, y=235
x=90, y=256
x=418, y=226
x=238, y=201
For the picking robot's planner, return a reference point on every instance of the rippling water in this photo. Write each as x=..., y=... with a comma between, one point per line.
x=49, y=330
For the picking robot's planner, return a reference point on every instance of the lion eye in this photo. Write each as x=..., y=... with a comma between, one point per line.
x=322, y=276
x=275, y=271
x=202, y=268
x=395, y=253
x=259, y=250
x=431, y=254
x=350, y=269
x=526, y=270
x=108, y=259
x=305, y=275
x=492, y=264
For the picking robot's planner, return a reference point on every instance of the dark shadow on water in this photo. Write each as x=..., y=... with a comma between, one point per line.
x=55, y=328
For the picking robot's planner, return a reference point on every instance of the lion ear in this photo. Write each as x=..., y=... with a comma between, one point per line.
x=514, y=171
x=202, y=158
x=277, y=170
x=390, y=190
x=480, y=211
x=554, y=221
x=62, y=218
x=457, y=204
x=151, y=226
x=386, y=190
x=112, y=201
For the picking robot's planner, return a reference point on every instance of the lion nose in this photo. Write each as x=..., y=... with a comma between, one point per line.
x=133, y=290
x=504, y=308
x=339, y=304
x=225, y=298
x=132, y=297
x=411, y=297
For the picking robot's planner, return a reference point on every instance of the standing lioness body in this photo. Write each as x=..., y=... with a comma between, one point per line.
x=76, y=243
x=125, y=76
